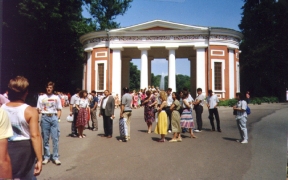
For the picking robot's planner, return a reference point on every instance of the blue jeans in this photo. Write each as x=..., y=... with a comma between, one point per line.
x=49, y=126
x=241, y=124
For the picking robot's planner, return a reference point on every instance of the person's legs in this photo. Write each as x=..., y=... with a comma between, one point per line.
x=94, y=120
x=104, y=123
x=242, y=124
x=168, y=112
x=217, y=119
x=109, y=122
x=55, y=133
x=128, y=122
x=73, y=124
x=199, y=111
x=211, y=119
x=240, y=131
x=45, y=130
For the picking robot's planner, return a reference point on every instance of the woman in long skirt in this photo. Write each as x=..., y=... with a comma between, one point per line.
x=83, y=106
x=149, y=104
x=186, y=116
x=161, y=127
x=175, y=118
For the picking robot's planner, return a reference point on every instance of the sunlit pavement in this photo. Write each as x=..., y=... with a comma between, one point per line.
x=212, y=155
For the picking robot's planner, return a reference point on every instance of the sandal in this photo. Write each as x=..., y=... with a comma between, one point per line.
x=80, y=137
x=161, y=140
x=179, y=140
x=173, y=140
x=192, y=136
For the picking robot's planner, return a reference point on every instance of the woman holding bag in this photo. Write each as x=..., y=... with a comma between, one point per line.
x=149, y=103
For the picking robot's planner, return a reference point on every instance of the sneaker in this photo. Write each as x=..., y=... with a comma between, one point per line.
x=244, y=142
x=45, y=161
x=198, y=131
x=94, y=129
x=57, y=162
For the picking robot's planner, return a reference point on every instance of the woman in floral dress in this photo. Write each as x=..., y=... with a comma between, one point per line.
x=149, y=104
x=83, y=106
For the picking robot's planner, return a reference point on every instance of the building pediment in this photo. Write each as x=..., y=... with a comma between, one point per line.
x=159, y=25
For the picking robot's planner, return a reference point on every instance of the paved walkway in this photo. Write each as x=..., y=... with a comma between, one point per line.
x=212, y=155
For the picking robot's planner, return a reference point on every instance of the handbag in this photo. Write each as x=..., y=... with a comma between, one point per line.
x=70, y=118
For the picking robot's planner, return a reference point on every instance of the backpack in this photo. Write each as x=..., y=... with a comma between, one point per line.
x=248, y=111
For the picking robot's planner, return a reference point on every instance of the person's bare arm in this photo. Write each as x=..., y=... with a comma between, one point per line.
x=162, y=106
x=5, y=163
x=172, y=107
x=186, y=104
x=71, y=108
x=122, y=110
x=32, y=117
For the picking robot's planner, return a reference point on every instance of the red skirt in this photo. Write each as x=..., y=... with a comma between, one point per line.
x=82, y=117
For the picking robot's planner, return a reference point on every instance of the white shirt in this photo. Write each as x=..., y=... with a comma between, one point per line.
x=169, y=100
x=74, y=99
x=49, y=104
x=82, y=103
x=243, y=105
x=201, y=99
x=190, y=98
x=212, y=101
x=105, y=99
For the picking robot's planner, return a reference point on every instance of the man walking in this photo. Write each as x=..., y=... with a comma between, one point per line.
x=49, y=105
x=126, y=111
x=198, y=107
x=212, y=103
x=107, y=111
x=168, y=111
x=74, y=111
x=93, y=110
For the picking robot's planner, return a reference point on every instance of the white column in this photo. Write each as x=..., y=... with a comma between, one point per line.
x=88, y=74
x=200, y=72
x=193, y=76
x=116, y=72
x=144, y=68
x=84, y=76
x=231, y=74
x=172, y=68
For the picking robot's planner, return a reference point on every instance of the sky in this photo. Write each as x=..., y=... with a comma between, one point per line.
x=213, y=13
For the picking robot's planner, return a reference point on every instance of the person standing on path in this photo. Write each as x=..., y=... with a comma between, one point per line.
x=168, y=111
x=49, y=105
x=126, y=111
x=93, y=110
x=107, y=108
x=186, y=116
x=161, y=127
x=25, y=146
x=241, y=118
x=83, y=109
x=176, y=127
x=149, y=106
x=5, y=133
x=212, y=103
x=74, y=111
x=198, y=107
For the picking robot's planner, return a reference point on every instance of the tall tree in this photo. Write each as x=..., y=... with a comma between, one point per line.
x=104, y=12
x=41, y=42
x=134, y=77
x=264, y=65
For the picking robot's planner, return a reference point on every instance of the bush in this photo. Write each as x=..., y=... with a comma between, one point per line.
x=229, y=102
x=256, y=100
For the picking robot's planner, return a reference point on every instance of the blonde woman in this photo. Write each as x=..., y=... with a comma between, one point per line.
x=161, y=127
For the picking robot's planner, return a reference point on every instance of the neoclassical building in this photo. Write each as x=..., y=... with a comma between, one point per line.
x=213, y=53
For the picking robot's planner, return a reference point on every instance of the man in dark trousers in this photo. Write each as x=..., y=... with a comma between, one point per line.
x=93, y=108
x=74, y=111
x=107, y=111
x=212, y=103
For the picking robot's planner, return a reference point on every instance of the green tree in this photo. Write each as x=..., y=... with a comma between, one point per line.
x=134, y=77
x=182, y=81
x=155, y=80
x=104, y=12
x=264, y=65
x=41, y=42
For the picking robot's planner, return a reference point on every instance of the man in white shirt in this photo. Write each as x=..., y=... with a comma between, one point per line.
x=49, y=105
x=241, y=118
x=168, y=111
x=212, y=103
x=198, y=107
x=74, y=111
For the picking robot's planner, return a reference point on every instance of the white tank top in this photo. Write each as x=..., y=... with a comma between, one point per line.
x=21, y=130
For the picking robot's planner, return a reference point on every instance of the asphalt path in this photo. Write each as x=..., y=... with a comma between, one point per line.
x=212, y=155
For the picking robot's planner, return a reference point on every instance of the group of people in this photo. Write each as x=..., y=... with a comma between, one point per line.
x=20, y=136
